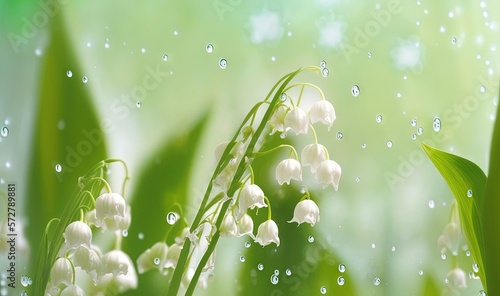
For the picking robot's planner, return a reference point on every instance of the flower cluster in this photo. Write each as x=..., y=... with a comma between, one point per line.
x=111, y=213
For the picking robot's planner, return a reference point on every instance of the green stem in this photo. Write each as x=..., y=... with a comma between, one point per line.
x=292, y=151
x=269, y=211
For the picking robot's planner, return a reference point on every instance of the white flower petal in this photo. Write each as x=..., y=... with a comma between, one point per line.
x=268, y=233
x=288, y=169
x=297, y=120
x=277, y=120
x=77, y=234
x=457, y=278
x=322, y=111
x=153, y=257
x=313, y=155
x=328, y=172
x=245, y=226
x=228, y=226
x=306, y=211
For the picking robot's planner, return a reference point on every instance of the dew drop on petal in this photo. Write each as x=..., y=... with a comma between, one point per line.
x=58, y=168
x=164, y=57
x=85, y=79
x=171, y=218
x=339, y=136
x=288, y=272
x=5, y=131
x=378, y=118
x=431, y=204
x=355, y=90
x=223, y=63
x=376, y=281
x=69, y=73
x=260, y=266
x=209, y=48
x=342, y=268
x=325, y=72
x=242, y=258
x=274, y=279
x=310, y=239
x=322, y=290
x=469, y=193
x=340, y=281
x=156, y=261
x=247, y=244
x=436, y=124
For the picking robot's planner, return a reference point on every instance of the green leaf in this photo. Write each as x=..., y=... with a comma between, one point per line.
x=164, y=182
x=463, y=175
x=66, y=132
x=430, y=287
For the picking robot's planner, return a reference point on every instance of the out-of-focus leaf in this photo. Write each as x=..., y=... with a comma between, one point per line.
x=163, y=182
x=66, y=132
x=430, y=287
x=463, y=175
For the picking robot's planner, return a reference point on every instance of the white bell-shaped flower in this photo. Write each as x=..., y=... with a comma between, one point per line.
x=61, y=273
x=72, y=290
x=115, y=262
x=328, y=172
x=306, y=211
x=153, y=257
x=88, y=260
x=288, y=169
x=277, y=120
x=312, y=155
x=174, y=251
x=267, y=233
x=77, y=234
x=457, y=278
x=450, y=238
x=123, y=280
x=245, y=226
x=110, y=209
x=297, y=120
x=323, y=111
x=228, y=226
x=251, y=196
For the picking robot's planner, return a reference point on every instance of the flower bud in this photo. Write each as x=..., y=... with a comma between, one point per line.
x=288, y=169
x=306, y=211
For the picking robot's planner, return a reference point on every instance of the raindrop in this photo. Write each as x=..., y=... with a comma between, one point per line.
x=125, y=233
x=482, y=89
x=69, y=73
x=156, y=261
x=322, y=64
x=85, y=79
x=340, y=280
x=7, y=164
x=38, y=52
x=140, y=235
x=413, y=122
x=58, y=168
x=363, y=145
x=398, y=95
x=288, y=272
x=413, y=137
x=310, y=239
x=276, y=272
x=373, y=246
x=443, y=256
x=431, y=204
x=176, y=33
x=454, y=40
x=273, y=58
x=339, y=136
x=482, y=293
x=355, y=90
x=143, y=50
x=247, y=244
x=164, y=57
x=420, y=272
x=5, y=131
x=376, y=281
x=303, y=189
x=274, y=279
x=325, y=72
x=369, y=54
x=209, y=48
x=436, y=124
x=222, y=63
x=23, y=293
x=342, y=268
x=393, y=249
x=25, y=280
x=420, y=130
x=283, y=97
x=106, y=45
x=378, y=118
x=322, y=290
x=469, y=193
x=475, y=267
x=171, y=218
x=358, y=179
x=389, y=144
x=260, y=266
x=138, y=104
x=242, y=258
x=467, y=253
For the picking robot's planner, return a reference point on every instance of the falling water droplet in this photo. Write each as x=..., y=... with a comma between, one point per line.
x=431, y=204
x=475, y=267
x=242, y=258
x=358, y=179
x=69, y=73
x=482, y=89
x=310, y=239
x=467, y=253
x=413, y=122
x=209, y=48
x=164, y=57
x=25, y=280
x=469, y=193
x=288, y=272
x=355, y=90
x=340, y=281
x=420, y=130
x=420, y=272
x=389, y=144
x=125, y=233
x=454, y=40
x=370, y=55
x=325, y=72
x=276, y=272
x=378, y=118
x=322, y=290
x=140, y=235
x=247, y=244
x=342, y=268
x=322, y=64
x=143, y=50
x=260, y=266
x=374, y=246
x=363, y=145
x=156, y=261
x=339, y=136
x=58, y=168
x=443, y=256
x=436, y=124
x=283, y=97
x=5, y=131
x=138, y=104
x=223, y=63
x=413, y=136
x=393, y=249
x=171, y=218
x=85, y=79
x=376, y=281
x=274, y=279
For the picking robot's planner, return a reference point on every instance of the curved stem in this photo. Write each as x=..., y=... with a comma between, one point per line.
x=269, y=211
x=292, y=151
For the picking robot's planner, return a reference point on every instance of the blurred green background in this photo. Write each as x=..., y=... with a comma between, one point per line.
x=410, y=60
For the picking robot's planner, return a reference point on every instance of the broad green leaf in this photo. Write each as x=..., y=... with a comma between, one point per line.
x=463, y=175
x=164, y=181
x=66, y=131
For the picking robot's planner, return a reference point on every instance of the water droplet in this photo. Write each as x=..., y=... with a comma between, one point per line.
x=125, y=233
x=322, y=64
x=374, y=246
x=273, y=58
x=342, y=268
x=209, y=48
x=5, y=131
x=38, y=52
x=369, y=54
x=431, y=204
x=247, y=244
x=482, y=88
x=23, y=293
x=357, y=179
x=274, y=279
x=322, y=290
x=376, y=281
x=310, y=239
x=325, y=72
x=288, y=272
x=222, y=63
x=171, y=218
x=393, y=248
x=138, y=104
x=176, y=33
x=355, y=90
x=69, y=73
x=340, y=280
x=260, y=266
x=454, y=40
x=58, y=168
x=140, y=235
x=398, y=95
x=156, y=261
x=106, y=45
x=363, y=145
x=420, y=272
x=339, y=136
x=467, y=253
x=420, y=130
x=482, y=293
x=164, y=57
x=475, y=267
x=25, y=280
x=389, y=143
x=283, y=135
x=378, y=118
x=443, y=256
x=436, y=124
x=469, y=193
x=414, y=137
x=242, y=258
x=276, y=272
x=413, y=122
x=85, y=79
x=283, y=97
x=303, y=189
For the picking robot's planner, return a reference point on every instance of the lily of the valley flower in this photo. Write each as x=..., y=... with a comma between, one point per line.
x=77, y=234
x=251, y=196
x=155, y=257
x=328, y=172
x=288, y=169
x=123, y=281
x=88, y=260
x=115, y=262
x=111, y=212
x=313, y=155
x=173, y=254
x=72, y=290
x=306, y=211
x=228, y=226
x=277, y=120
x=267, y=233
x=323, y=111
x=61, y=273
x=297, y=120
x=450, y=238
x=457, y=278
x=245, y=226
